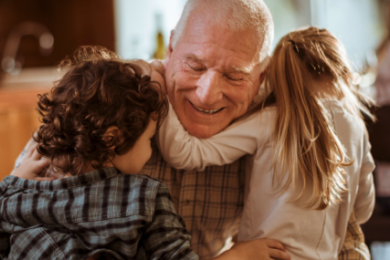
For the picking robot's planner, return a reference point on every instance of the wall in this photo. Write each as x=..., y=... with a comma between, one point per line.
x=356, y=23
x=136, y=25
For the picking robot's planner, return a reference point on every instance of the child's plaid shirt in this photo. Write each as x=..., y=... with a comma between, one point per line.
x=121, y=216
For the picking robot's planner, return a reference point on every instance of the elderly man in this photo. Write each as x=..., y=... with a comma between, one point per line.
x=217, y=59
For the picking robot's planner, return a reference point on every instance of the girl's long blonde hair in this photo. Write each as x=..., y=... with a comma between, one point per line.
x=306, y=145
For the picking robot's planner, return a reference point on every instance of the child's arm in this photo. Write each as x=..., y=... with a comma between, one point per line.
x=365, y=199
x=32, y=165
x=184, y=151
x=166, y=237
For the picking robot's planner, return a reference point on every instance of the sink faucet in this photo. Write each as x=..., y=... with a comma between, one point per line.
x=9, y=63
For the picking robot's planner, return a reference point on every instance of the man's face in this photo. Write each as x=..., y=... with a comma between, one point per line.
x=212, y=75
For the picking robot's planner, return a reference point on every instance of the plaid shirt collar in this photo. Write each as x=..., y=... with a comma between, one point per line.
x=63, y=183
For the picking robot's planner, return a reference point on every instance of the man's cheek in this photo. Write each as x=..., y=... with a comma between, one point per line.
x=240, y=97
x=185, y=81
x=241, y=104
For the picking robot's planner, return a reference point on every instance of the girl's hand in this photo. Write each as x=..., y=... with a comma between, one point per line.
x=262, y=249
x=158, y=73
x=32, y=165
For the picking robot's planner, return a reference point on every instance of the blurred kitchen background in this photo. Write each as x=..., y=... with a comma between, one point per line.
x=36, y=34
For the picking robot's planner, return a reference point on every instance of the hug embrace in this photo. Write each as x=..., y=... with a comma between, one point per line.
x=170, y=160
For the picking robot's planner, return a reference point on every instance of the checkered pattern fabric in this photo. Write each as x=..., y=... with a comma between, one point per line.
x=118, y=215
x=354, y=246
x=210, y=202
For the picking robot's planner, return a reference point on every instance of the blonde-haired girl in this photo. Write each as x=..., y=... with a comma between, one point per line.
x=310, y=164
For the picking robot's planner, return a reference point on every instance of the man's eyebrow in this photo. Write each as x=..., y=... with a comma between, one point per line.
x=244, y=70
x=193, y=57
x=233, y=69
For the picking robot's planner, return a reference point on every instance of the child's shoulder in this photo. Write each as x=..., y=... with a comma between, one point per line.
x=143, y=191
x=338, y=109
x=270, y=112
x=263, y=115
x=264, y=119
x=344, y=121
x=142, y=180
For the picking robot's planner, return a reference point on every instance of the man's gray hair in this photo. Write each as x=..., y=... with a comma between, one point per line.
x=236, y=15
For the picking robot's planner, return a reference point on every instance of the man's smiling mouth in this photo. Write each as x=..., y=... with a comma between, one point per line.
x=207, y=111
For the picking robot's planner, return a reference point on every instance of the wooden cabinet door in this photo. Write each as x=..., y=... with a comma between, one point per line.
x=18, y=121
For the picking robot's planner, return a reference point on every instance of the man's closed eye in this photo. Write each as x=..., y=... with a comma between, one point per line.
x=196, y=67
x=234, y=77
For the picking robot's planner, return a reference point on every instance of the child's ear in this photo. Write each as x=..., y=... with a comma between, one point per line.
x=110, y=136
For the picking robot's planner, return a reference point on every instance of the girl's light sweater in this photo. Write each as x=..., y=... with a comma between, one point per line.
x=306, y=233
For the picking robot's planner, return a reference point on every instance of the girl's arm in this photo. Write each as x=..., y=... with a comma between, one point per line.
x=184, y=151
x=365, y=199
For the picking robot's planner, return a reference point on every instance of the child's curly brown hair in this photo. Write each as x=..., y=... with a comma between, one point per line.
x=97, y=92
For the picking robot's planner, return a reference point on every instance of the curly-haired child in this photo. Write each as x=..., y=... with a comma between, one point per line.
x=98, y=122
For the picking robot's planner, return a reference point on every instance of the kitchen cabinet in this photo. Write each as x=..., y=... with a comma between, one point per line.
x=18, y=120
x=18, y=116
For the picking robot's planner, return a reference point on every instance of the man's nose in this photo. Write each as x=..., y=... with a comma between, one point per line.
x=209, y=88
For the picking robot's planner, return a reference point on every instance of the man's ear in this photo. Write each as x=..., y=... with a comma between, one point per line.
x=263, y=74
x=110, y=136
x=170, y=47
